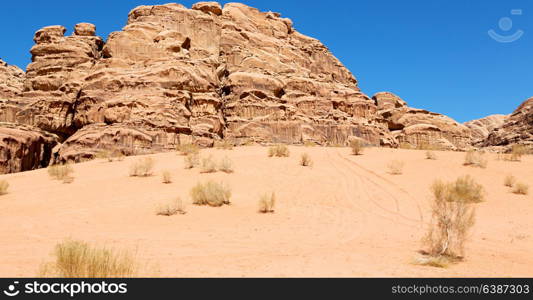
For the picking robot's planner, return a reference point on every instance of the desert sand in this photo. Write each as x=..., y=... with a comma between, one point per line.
x=345, y=216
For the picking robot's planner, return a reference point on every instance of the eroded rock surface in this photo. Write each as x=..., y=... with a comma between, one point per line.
x=11, y=80
x=175, y=75
x=24, y=147
x=481, y=128
x=421, y=128
x=516, y=129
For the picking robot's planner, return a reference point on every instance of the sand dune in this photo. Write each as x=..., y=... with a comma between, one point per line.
x=345, y=216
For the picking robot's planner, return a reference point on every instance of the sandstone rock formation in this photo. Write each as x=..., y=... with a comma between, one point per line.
x=420, y=128
x=516, y=129
x=11, y=80
x=24, y=148
x=175, y=75
x=481, y=128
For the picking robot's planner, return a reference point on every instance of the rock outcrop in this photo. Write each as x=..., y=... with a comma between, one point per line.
x=420, y=128
x=176, y=75
x=481, y=128
x=11, y=81
x=24, y=148
x=516, y=129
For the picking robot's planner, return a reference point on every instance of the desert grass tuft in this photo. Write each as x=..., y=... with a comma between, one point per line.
x=226, y=165
x=192, y=160
x=517, y=151
x=110, y=156
x=171, y=208
x=224, y=145
x=61, y=172
x=77, y=259
x=431, y=155
x=305, y=160
x=208, y=165
x=475, y=159
x=395, y=167
x=309, y=143
x=440, y=261
x=267, y=202
x=143, y=167
x=520, y=188
x=357, y=147
x=509, y=181
x=4, y=186
x=186, y=149
x=278, y=151
x=211, y=193
x=166, y=177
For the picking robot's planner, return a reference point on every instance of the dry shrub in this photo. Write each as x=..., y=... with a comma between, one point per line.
x=171, y=208
x=517, y=151
x=405, y=145
x=61, y=172
x=110, y=156
x=192, y=160
x=278, y=151
x=224, y=145
x=267, y=202
x=76, y=259
x=305, y=160
x=452, y=217
x=309, y=143
x=335, y=145
x=143, y=167
x=211, y=193
x=395, y=167
x=225, y=165
x=166, y=177
x=431, y=155
x=475, y=159
x=357, y=147
x=434, y=261
x=186, y=149
x=208, y=165
x=466, y=189
x=4, y=185
x=509, y=180
x=520, y=188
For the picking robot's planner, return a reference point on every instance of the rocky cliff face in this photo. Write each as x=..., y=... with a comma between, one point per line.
x=24, y=148
x=175, y=75
x=516, y=129
x=481, y=128
x=418, y=127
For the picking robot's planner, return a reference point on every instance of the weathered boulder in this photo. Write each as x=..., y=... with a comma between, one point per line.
x=24, y=147
x=516, y=129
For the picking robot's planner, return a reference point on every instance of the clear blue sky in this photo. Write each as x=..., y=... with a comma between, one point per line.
x=435, y=54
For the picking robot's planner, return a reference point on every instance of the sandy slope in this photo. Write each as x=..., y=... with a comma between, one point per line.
x=344, y=217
